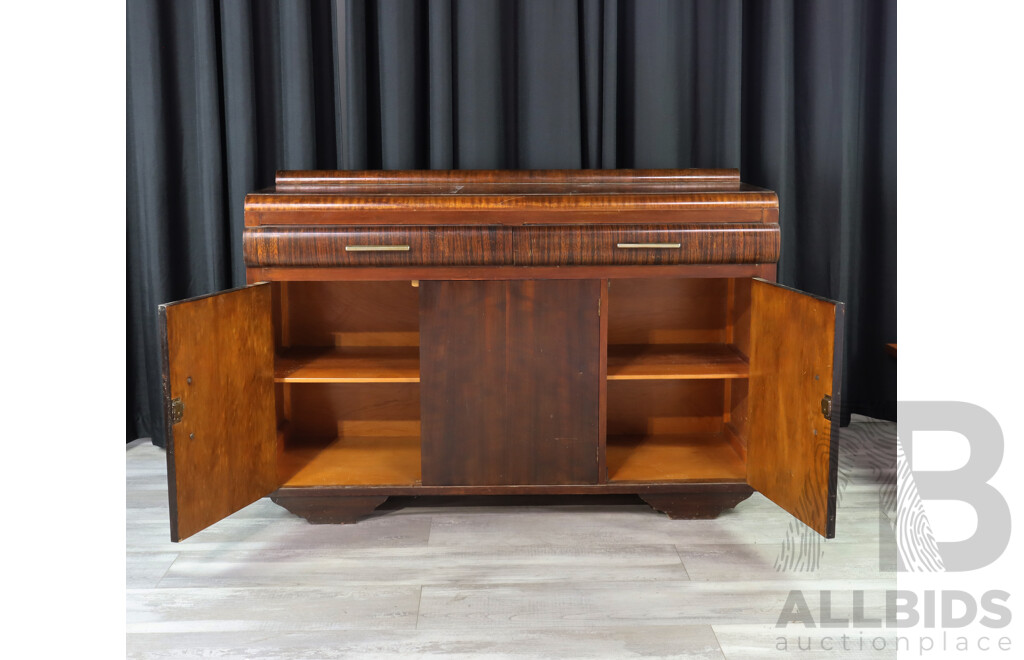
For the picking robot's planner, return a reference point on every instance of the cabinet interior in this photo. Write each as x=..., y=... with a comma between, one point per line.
x=677, y=379
x=347, y=381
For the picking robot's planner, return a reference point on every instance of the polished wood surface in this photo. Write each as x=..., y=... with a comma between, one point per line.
x=219, y=363
x=510, y=382
x=407, y=273
x=509, y=197
x=363, y=364
x=675, y=361
x=792, y=446
x=377, y=246
x=276, y=209
x=467, y=181
x=578, y=245
x=689, y=457
x=646, y=245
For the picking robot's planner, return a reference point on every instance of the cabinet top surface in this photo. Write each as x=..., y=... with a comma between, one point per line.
x=564, y=192
x=503, y=188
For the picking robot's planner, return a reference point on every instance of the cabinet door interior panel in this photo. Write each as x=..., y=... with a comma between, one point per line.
x=509, y=372
x=219, y=389
x=793, y=401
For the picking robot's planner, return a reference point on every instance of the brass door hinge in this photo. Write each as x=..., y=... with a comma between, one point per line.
x=826, y=406
x=177, y=410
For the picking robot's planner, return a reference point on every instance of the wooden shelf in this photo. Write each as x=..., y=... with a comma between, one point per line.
x=675, y=362
x=369, y=364
x=353, y=461
x=689, y=457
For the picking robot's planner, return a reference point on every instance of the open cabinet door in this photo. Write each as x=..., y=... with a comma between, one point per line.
x=793, y=403
x=218, y=385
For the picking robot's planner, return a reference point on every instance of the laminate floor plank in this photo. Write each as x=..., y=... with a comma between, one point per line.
x=745, y=642
x=664, y=603
x=821, y=561
x=612, y=642
x=237, y=534
x=216, y=609
x=756, y=520
x=421, y=566
x=146, y=569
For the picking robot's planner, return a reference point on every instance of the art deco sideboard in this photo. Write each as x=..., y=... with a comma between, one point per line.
x=504, y=332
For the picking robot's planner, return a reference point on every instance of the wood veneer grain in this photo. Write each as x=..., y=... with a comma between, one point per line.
x=510, y=381
x=699, y=243
x=406, y=273
x=792, y=446
x=346, y=179
x=222, y=455
x=421, y=246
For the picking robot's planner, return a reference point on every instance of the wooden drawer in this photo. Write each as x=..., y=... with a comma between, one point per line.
x=645, y=245
x=327, y=246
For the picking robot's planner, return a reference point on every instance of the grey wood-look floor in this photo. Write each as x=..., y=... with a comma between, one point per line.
x=609, y=580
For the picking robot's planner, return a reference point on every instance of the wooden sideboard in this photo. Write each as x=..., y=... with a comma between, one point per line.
x=504, y=332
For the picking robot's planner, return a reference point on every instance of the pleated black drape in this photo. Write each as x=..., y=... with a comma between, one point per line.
x=799, y=95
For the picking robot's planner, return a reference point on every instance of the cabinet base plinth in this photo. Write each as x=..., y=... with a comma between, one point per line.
x=695, y=506
x=328, y=509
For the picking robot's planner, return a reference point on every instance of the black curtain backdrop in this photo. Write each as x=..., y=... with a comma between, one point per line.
x=800, y=95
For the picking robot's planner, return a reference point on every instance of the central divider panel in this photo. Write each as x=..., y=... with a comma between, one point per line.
x=510, y=382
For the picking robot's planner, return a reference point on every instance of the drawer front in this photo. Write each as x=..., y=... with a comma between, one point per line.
x=647, y=245
x=377, y=246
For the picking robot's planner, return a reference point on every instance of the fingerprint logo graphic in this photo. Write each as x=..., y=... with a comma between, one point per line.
x=915, y=541
x=866, y=450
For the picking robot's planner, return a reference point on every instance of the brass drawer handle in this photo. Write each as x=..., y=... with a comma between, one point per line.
x=633, y=246
x=376, y=248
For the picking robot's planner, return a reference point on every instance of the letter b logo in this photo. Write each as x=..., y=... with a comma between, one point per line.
x=967, y=484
